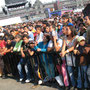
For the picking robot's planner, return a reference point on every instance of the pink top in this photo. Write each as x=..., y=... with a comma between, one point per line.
x=2, y=44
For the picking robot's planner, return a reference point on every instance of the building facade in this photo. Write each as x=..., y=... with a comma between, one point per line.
x=38, y=10
x=71, y=4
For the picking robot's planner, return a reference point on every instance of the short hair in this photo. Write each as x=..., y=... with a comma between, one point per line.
x=25, y=36
x=38, y=26
x=47, y=25
x=65, y=16
x=44, y=22
x=1, y=38
x=10, y=38
x=47, y=37
x=82, y=24
x=18, y=36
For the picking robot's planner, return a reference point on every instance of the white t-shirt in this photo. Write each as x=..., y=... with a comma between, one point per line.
x=54, y=33
x=59, y=41
x=39, y=37
x=1, y=34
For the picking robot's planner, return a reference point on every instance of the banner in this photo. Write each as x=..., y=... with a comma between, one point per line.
x=10, y=21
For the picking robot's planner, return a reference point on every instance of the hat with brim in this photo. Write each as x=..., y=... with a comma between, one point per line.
x=81, y=38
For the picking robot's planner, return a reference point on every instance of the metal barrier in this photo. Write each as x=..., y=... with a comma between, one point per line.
x=43, y=64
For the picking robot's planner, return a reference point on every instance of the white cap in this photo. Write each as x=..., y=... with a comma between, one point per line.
x=80, y=38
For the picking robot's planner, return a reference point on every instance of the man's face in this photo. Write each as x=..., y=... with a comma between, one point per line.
x=82, y=43
x=59, y=27
x=26, y=40
x=8, y=41
x=22, y=30
x=81, y=27
x=17, y=39
x=87, y=20
x=44, y=25
x=26, y=29
x=60, y=20
x=47, y=29
x=32, y=45
x=50, y=28
x=38, y=30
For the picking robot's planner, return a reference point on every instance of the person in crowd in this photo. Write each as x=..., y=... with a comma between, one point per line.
x=82, y=30
x=58, y=46
x=39, y=34
x=18, y=44
x=69, y=43
x=47, y=50
x=2, y=49
x=30, y=33
x=82, y=57
x=47, y=29
x=42, y=47
x=34, y=62
x=87, y=21
x=59, y=30
x=32, y=28
x=24, y=61
x=7, y=54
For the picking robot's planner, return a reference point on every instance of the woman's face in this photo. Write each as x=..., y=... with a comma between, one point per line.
x=64, y=30
x=44, y=39
x=68, y=31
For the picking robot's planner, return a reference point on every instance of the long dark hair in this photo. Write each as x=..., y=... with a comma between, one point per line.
x=74, y=33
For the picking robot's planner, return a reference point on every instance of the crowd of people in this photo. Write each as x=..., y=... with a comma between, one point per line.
x=49, y=50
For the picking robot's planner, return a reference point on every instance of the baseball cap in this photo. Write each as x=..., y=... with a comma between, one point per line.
x=80, y=38
x=70, y=24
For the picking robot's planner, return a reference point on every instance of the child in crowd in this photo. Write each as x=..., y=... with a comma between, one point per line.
x=82, y=59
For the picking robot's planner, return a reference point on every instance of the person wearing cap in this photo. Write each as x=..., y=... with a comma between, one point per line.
x=82, y=57
x=70, y=24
